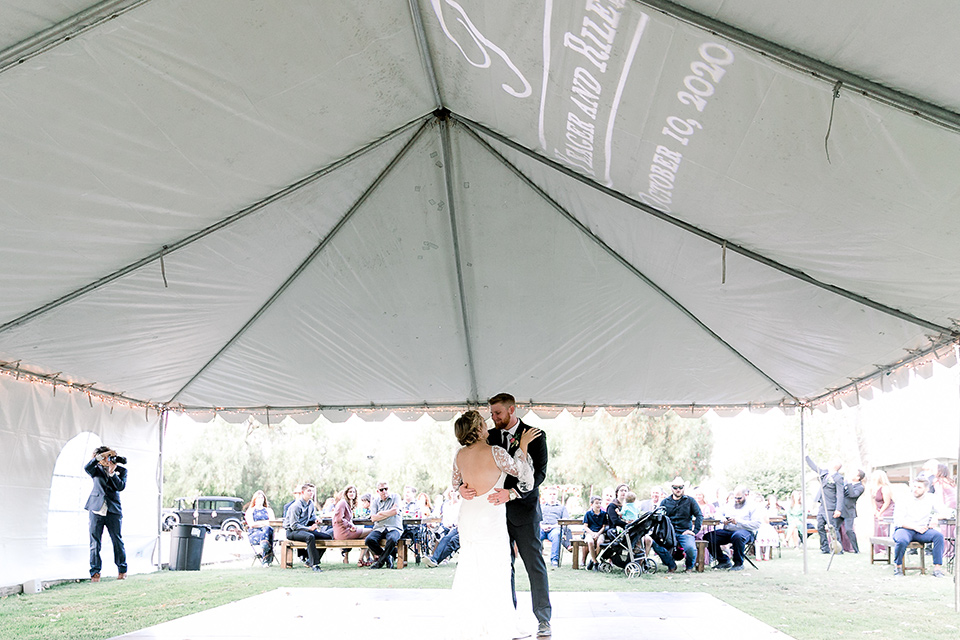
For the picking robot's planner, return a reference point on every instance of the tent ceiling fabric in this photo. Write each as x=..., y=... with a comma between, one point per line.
x=325, y=205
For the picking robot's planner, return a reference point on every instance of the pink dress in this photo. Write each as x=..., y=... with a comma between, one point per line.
x=343, y=527
x=882, y=528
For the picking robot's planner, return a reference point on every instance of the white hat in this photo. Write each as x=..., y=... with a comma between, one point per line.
x=678, y=482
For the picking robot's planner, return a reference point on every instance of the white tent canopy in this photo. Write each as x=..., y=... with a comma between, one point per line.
x=333, y=205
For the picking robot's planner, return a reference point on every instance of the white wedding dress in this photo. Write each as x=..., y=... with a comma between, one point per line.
x=481, y=587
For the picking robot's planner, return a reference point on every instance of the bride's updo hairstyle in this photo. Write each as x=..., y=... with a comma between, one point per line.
x=467, y=428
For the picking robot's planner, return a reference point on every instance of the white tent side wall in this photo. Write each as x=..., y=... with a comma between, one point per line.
x=45, y=528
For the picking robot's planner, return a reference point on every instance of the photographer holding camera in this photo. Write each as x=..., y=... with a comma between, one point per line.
x=104, y=507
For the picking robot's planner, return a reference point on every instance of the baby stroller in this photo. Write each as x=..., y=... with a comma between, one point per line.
x=626, y=551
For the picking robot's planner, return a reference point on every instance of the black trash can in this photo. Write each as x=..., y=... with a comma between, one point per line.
x=186, y=546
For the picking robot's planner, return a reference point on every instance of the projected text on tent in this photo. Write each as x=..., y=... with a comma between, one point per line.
x=666, y=163
x=594, y=44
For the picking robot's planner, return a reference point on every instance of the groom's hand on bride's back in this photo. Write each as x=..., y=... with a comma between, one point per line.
x=467, y=492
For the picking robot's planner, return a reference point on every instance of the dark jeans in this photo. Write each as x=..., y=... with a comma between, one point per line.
x=903, y=537
x=310, y=537
x=739, y=539
x=383, y=543
x=689, y=545
x=448, y=545
x=554, y=537
x=112, y=522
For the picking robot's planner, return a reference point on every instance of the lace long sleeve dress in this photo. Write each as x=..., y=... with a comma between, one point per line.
x=482, y=580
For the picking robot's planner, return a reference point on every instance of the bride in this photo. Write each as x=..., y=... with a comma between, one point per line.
x=482, y=581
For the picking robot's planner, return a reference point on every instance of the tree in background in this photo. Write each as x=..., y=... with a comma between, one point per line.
x=640, y=450
x=220, y=458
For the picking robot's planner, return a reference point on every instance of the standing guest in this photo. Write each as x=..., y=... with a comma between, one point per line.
x=945, y=491
x=300, y=523
x=914, y=520
x=883, y=505
x=684, y=512
x=259, y=532
x=767, y=536
x=596, y=523
x=831, y=501
x=552, y=512
x=851, y=493
x=944, y=487
x=631, y=510
x=796, y=523
x=387, y=526
x=740, y=524
x=343, y=527
x=109, y=480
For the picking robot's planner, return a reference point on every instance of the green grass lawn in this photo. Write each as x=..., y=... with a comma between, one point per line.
x=853, y=599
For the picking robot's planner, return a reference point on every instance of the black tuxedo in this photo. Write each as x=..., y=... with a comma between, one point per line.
x=523, y=520
x=830, y=497
x=848, y=512
x=106, y=491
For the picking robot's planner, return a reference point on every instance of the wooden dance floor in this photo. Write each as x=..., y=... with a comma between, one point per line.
x=402, y=614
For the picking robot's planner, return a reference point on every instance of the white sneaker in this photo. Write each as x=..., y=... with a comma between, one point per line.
x=430, y=562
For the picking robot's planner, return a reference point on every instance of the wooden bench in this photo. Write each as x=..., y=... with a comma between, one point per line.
x=287, y=547
x=890, y=544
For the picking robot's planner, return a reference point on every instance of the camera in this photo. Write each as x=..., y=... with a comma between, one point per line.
x=117, y=459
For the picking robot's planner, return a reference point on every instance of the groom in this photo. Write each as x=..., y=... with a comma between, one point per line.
x=523, y=509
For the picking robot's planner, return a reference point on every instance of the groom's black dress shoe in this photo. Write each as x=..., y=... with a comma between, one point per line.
x=543, y=631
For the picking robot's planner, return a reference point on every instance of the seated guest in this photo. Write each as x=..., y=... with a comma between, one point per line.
x=596, y=523
x=300, y=523
x=343, y=527
x=259, y=531
x=914, y=520
x=551, y=512
x=609, y=495
x=363, y=508
x=615, y=521
x=450, y=541
x=684, y=512
x=631, y=510
x=706, y=508
x=656, y=495
x=387, y=526
x=739, y=524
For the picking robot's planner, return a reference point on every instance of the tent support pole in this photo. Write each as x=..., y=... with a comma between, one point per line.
x=313, y=254
x=956, y=517
x=706, y=235
x=831, y=75
x=457, y=257
x=625, y=263
x=803, y=491
x=425, y=53
x=164, y=416
x=226, y=222
x=64, y=31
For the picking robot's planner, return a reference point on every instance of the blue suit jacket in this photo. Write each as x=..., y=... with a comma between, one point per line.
x=106, y=488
